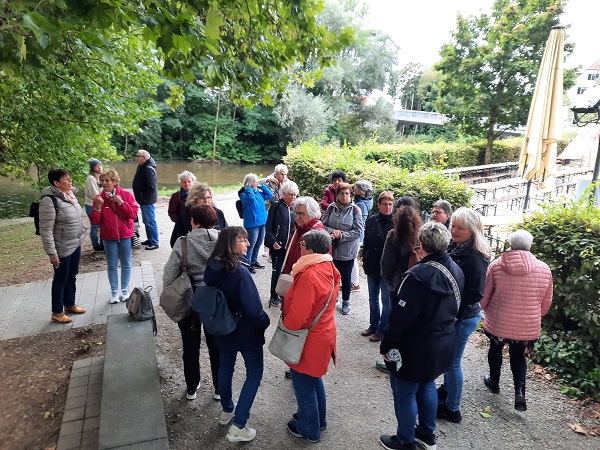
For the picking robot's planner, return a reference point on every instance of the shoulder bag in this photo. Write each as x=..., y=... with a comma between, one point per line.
x=288, y=345
x=176, y=299
x=285, y=280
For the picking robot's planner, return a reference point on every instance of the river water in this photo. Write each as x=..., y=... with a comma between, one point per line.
x=16, y=198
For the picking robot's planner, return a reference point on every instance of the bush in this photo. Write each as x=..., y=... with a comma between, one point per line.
x=310, y=166
x=568, y=240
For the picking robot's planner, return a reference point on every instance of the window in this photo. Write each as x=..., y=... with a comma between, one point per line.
x=581, y=90
x=593, y=76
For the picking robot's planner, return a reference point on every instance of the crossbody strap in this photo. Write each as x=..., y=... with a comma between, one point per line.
x=324, y=307
x=450, y=277
x=184, y=266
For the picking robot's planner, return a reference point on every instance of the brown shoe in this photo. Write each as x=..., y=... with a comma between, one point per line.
x=74, y=309
x=61, y=318
x=376, y=337
x=355, y=287
x=367, y=332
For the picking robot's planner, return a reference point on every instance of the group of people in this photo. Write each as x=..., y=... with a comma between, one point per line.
x=427, y=285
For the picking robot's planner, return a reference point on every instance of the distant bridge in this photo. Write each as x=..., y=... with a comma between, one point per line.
x=410, y=117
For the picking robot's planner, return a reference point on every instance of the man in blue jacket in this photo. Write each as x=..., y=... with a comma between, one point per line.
x=418, y=344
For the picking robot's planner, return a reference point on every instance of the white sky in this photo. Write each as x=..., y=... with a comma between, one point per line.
x=421, y=27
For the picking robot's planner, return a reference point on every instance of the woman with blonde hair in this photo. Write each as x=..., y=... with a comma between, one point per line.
x=200, y=194
x=471, y=252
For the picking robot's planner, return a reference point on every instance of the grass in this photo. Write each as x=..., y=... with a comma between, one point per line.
x=20, y=250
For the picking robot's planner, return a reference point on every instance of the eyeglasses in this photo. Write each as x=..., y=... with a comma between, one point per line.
x=437, y=211
x=303, y=244
x=300, y=214
x=242, y=240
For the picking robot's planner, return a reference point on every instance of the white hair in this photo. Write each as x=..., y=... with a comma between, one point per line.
x=520, y=240
x=280, y=168
x=289, y=187
x=144, y=153
x=248, y=179
x=186, y=174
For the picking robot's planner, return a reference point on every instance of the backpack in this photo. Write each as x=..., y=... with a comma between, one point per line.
x=34, y=211
x=240, y=208
x=139, y=305
x=210, y=304
x=176, y=299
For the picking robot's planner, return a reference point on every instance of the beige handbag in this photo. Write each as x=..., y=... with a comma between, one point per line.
x=285, y=280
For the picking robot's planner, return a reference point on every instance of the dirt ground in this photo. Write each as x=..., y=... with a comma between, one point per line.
x=34, y=377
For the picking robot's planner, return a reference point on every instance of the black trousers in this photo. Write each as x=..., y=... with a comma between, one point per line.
x=277, y=257
x=518, y=365
x=191, y=338
x=345, y=269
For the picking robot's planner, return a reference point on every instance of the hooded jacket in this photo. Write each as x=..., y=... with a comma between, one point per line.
x=518, y=292
x=61, y=231
x=328, y=197
x=242, y=295
x=253, y=204
x=200, y=244
x=145, y=187
x=376, y=230
x=421, y=323
x=116, y=221
x=280, y=223
x=349, y=221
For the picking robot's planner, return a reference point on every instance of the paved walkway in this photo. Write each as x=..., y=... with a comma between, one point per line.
x=25, y=311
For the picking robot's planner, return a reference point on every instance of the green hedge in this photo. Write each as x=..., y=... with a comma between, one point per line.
x=568, y=240
x=311, y=164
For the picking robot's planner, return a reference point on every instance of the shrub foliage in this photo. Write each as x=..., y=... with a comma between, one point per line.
x=568, y=240
x=311, y=164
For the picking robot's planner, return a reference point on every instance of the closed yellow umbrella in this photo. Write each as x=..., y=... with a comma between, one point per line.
x=544, y=125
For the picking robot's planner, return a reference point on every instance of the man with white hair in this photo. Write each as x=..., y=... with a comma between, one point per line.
x=145, y=189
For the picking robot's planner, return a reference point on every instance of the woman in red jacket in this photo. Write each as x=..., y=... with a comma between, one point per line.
x=114, y=210
x=518, y=292
x=316, y=285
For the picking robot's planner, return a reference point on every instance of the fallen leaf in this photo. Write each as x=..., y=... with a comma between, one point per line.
x=485, y=415
x=577, y=428
x=487, y=409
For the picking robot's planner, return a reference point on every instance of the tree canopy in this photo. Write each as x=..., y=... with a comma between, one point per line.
x=490, y=66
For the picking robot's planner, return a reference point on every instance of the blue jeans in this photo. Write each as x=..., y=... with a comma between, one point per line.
x=312, y=404
x=149, y=219
x=256, y=236
x=64, y=281
x=93, y=228
x=453, y=379
x=115, y=251
x=378, y=321
x=410, y=399
x=254, y=362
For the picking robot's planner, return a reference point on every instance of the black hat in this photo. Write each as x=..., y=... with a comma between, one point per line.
x=93, y=162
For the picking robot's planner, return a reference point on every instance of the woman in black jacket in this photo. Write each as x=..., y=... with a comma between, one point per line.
x=376, y=230
x=280, y=223
x=417, y=345
x=471, y=252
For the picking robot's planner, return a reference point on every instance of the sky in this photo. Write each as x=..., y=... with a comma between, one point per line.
x=421, y=27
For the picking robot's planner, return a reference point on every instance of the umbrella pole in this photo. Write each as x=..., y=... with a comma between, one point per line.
x=597, y=165
x=526, y=201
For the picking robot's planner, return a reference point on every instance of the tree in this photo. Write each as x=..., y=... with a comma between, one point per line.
x=490, y=66
x=245, y=45
x=62, y=113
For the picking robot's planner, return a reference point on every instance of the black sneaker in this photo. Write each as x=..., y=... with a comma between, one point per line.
x=443, y=412
x=146, y=242
x=494, y=387
x=295, y=419
x=291, y=426
x=99, y=248
x=391, y=442
x=442, y=394
x=426, y=441
x=274, y=301
x=288, y=374
x=257, y=265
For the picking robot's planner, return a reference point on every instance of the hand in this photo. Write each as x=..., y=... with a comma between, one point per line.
x=276, y=246
x=55, y=261
x=98, y=202
x=336, y=234
x=117, y=199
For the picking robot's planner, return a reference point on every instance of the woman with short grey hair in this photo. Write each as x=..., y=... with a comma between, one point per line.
x=177, y=202
x=318, y=241
x=434, y=238
x=518, y=293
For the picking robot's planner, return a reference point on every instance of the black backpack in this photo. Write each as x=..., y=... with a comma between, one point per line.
x=210, y=304
x=240, y=208
x=34, y=211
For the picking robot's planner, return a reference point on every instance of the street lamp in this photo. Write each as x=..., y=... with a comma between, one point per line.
x=587, y=114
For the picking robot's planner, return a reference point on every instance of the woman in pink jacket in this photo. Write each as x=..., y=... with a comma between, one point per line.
x=114, y=210
x=518, y=292
x=316, y=281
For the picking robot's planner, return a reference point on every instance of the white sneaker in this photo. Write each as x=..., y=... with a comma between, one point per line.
x=236, y=434
x=192, y=395
x=226, y=417
x=124, y=295
x=114, y=298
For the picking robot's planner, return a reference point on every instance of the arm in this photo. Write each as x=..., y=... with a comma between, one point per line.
x=251, y=304
x=307, y=290
x=270, y=228
x=389, y=261
x=357, y=227
x=325, y=199
x=490, y=285
x=173, y=206
x=47, y=222
x=172, y=267
x=547, y=300
x=325, y=219
x=265, y=192
x=178, y=230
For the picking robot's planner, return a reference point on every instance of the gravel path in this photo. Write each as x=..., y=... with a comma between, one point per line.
x=359, y=397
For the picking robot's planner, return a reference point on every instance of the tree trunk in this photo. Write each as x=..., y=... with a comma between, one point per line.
x=125, y=148
x=216, y=126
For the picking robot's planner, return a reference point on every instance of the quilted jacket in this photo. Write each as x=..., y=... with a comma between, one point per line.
x=518, y=292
